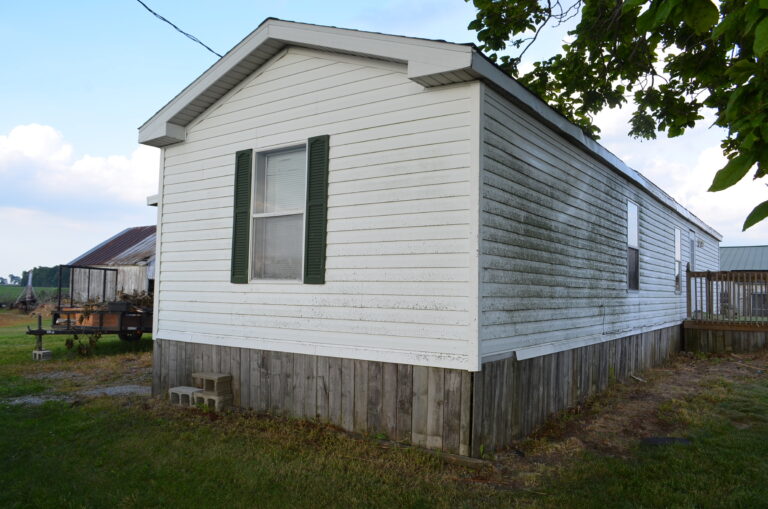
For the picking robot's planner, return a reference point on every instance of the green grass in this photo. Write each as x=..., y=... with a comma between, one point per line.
x=138, y=453
x=9, y=294
x=726, y=465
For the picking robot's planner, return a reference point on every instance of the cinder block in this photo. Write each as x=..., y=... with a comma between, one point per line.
x=215, y=401
x=215, y=383
x=183, y=396
x=41, y=355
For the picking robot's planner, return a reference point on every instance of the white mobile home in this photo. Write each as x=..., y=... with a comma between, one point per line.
x=393, y=235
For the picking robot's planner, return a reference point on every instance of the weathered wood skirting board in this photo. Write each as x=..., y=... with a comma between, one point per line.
x=512, y=398
x=445, y=409
x=425, y=406
x=720, y=340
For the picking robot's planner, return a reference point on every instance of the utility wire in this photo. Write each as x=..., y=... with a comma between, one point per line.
x=179, y=29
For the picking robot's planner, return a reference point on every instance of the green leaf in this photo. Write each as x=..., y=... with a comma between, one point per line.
x=761, y=38
x=763, y=4
x=631, y=4
x=758, y=214
x=700, y=15
x=664, y=10
x=732, y=172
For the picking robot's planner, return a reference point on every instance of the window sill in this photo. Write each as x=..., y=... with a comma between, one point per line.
x=276, y=281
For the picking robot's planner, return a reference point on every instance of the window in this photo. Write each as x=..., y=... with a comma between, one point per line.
x=278, y=214
x=692, y=242
x=678, y=261
x=633, y=247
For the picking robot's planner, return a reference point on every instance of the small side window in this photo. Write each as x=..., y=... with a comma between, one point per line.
x=678, y=261
x=633, y=247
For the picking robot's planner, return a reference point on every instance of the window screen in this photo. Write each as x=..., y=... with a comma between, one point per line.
x=278, y=215
x=633, y=246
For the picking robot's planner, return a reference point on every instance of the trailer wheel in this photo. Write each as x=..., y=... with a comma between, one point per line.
x=133, y=335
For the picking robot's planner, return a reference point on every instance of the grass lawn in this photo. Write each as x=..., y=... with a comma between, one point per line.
x=9, y=294
x=140, y=452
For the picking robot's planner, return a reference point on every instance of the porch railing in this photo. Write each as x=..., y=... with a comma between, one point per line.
x=732, y=297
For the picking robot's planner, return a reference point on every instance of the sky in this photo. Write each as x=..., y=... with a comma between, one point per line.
x=78, y=79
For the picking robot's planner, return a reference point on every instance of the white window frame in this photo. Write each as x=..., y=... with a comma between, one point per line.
x=678, y=260
x=260, y=161
x=633, y=241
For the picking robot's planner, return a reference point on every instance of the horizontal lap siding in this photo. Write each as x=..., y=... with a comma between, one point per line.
x=398, y=221
x=553, y=253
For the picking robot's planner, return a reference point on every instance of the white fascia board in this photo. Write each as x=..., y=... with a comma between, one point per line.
x=422, y=56
x=533, y=104
x=152, y=200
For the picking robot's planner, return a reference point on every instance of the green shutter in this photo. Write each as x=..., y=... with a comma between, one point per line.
x=241, y=216
x=316, y=213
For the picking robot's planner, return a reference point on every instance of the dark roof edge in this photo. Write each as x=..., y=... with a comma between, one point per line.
x=113, y=237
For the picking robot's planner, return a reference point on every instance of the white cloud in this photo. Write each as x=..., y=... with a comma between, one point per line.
x=40, y=153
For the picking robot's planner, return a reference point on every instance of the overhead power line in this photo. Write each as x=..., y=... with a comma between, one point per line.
x=179, y=29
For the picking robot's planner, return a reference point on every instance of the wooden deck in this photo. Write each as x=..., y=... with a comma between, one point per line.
x=727, y=312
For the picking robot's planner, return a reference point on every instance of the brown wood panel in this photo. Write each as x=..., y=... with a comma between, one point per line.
x=189, y=360
x=245, y=375
x=322, y=384
x=334, y=390
x=255, y=358
x=452, y=412
x=309, y=372
x=420, y=402
x=465, y=427
x=435, y=407
x=405, y=397
x=375, y=397
x=165, y=368
x=348, y=394
x=234, y=370
x=157, y=366
x=389, y=399
x=276, y=381
x=360, y=395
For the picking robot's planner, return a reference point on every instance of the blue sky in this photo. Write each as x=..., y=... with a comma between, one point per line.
x=80, y=77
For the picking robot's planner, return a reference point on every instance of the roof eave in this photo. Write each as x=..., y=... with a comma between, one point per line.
x=424, y=58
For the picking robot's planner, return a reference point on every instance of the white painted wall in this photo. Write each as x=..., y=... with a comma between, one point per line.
x=554, y=236
x=397, y=280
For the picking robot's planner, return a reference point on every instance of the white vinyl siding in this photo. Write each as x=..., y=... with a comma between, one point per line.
x=554, y=239
x=397, y=279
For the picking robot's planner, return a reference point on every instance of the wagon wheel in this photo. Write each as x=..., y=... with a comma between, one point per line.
x=133, y=335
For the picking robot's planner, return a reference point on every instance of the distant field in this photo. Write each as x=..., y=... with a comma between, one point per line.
x=9, y=294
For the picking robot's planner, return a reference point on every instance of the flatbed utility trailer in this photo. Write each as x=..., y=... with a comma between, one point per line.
x=90, y=306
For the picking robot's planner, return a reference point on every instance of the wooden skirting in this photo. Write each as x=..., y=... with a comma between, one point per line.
x=512, y=398
x=429, y=407
x=444, y=409
x=717, y=340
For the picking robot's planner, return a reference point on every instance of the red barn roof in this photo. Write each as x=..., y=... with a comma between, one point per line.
x=132, y=246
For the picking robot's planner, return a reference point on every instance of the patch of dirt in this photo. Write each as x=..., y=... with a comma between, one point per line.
x=124, y=369
x=118, y=390
x=618, y=419
x=14, y=318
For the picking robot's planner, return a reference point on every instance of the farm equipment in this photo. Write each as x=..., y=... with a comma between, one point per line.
x=91, y=305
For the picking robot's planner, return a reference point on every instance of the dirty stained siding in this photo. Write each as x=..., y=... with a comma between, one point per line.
x=553, y=244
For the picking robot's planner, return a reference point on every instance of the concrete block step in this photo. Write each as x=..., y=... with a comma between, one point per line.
x=216, y=401
x=183, y=396
x=215, y=383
